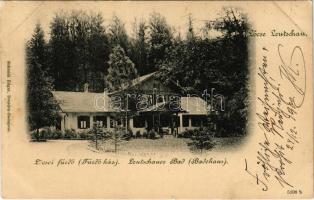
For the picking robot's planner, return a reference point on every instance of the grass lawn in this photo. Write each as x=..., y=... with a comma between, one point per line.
x=166, y=145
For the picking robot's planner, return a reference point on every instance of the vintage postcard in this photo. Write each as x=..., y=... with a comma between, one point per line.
x=156, y=99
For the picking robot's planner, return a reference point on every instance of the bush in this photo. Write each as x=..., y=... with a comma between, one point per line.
x=138, y=134
x=70, y=134
x=48, y=133
x=91, y=134
x=43, y=134
x=83, y=135
x=52, y=133
x=106, y=135
x=186, y=134
x=161, y=132
x=35, y=135
x=145, y=135
x=40, y=135
x=57, y=134
x=202, y=139
x=152, y=134
x=127, y=135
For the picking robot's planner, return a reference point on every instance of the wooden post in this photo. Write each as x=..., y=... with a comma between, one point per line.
x=153, y=120
x=181, y=122
x=159, y=123
x=172, y=128
x=177, y=125
x=108, y=122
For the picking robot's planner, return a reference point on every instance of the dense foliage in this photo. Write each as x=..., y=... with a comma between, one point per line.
x=80, y=45
x=41, y=105
x=121, y=70
x=79, y=50
x=200, y=64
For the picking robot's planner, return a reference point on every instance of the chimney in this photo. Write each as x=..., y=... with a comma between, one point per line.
x=86, y=87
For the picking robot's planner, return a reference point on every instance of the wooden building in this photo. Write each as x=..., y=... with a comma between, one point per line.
x=145, y=104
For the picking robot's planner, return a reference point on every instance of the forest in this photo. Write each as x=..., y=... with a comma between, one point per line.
x=80, y=49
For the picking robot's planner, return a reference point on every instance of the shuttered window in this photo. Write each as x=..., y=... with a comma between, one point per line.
x=83, y=122
x=101, y=121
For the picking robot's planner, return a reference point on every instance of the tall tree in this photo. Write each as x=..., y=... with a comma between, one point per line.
x=118, y=34
x=140, y=47
x=234, y=26
x=220, y=63
x=79, y=50
x=62, y=53
x=121, y=70
x=232, y=23
x=42, y=108
x=160, y=39
x=98, y=53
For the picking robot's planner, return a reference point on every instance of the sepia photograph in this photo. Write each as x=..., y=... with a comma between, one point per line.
x=137, y=84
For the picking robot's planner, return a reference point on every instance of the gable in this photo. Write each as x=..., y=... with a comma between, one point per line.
x=148, y=84
x=153, y=85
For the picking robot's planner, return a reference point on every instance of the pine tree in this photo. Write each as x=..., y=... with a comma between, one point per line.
x=41, y=105
x=140, y=47
x=121, y=70
x=118, y=34
x=79, y=50
x=160, y=40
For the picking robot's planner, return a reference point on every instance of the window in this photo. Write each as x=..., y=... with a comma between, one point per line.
x=185, y=120
x=198, y=120
x=83, y=122
x=101, y=121
x=117, y=122
x=138, y=122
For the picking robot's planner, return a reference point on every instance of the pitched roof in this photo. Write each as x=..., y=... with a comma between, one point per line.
x=136, y=81
x=82, y=101
x=142, y=78
x=86, y=101
x=99, y=102
x=194, y=105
